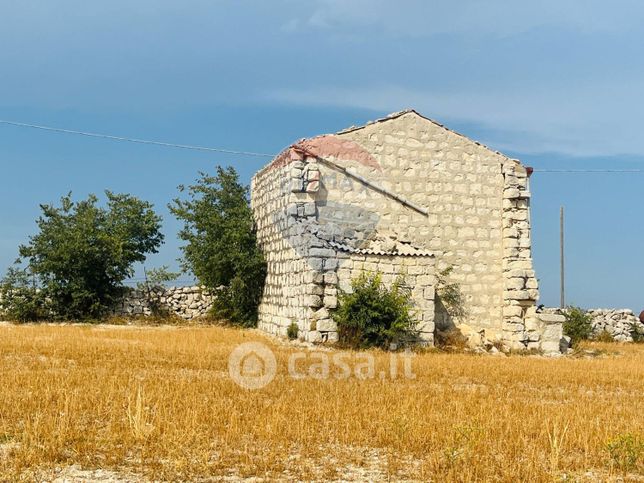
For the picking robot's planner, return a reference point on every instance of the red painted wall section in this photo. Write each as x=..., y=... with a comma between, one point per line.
x=341, y=149
x=327, y=146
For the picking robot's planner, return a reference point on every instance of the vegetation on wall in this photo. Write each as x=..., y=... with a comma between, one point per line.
x=152, y=288
x=449, y=293
x=221, y=243
x=76, y=263
x=292, y=331
x=373, y=315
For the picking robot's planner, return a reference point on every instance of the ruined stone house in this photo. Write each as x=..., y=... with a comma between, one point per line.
x=400, y=195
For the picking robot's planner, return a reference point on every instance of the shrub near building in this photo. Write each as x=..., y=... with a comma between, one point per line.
x=373, y=315
x=578, y=325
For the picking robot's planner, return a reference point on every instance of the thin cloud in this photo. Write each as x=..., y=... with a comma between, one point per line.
x=591, y=120
x=419, y=18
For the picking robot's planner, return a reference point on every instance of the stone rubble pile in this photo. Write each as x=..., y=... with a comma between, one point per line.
x=185, y=302
x=619, y=323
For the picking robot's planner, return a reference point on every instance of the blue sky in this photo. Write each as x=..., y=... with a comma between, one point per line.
x=559, y=85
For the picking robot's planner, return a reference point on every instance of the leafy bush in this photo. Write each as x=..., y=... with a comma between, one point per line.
x=83, y=252
x=577, y=325
x=20, y=299
x=292, y=331
x=221, y=244
x=372, y=315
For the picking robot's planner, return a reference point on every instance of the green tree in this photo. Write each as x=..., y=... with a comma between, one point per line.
x=221, y=243
x=83, y=252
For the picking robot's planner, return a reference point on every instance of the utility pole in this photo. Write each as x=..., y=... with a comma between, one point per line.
x=562, y=262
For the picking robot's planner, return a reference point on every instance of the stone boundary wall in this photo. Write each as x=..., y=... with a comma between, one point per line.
x=185, y=302
x=617, y=322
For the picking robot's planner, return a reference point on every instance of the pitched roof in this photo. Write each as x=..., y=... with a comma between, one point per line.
x=395, y=115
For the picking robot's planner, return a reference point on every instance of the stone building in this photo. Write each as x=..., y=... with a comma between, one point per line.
x=401, y=195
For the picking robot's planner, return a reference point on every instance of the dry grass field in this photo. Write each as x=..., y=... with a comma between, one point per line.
x=129, y=403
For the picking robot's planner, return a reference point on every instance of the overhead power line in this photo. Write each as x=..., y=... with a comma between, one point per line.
x=134, y=140
x=249, y=153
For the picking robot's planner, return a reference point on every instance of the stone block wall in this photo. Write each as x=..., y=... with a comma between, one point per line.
x=459, y=182
x=313, y=247
x=521, y=327
x=288, y=290
x=185, y=302
x=545, y=333
x=400, y=187
x=617, y=322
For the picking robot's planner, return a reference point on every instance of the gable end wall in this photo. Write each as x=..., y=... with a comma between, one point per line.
x=477, y=221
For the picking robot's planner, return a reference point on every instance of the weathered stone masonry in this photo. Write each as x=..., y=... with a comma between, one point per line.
x=619, y=323
x=520, y=322
x=185, y=302
x=290, y=280
x=399, y=195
